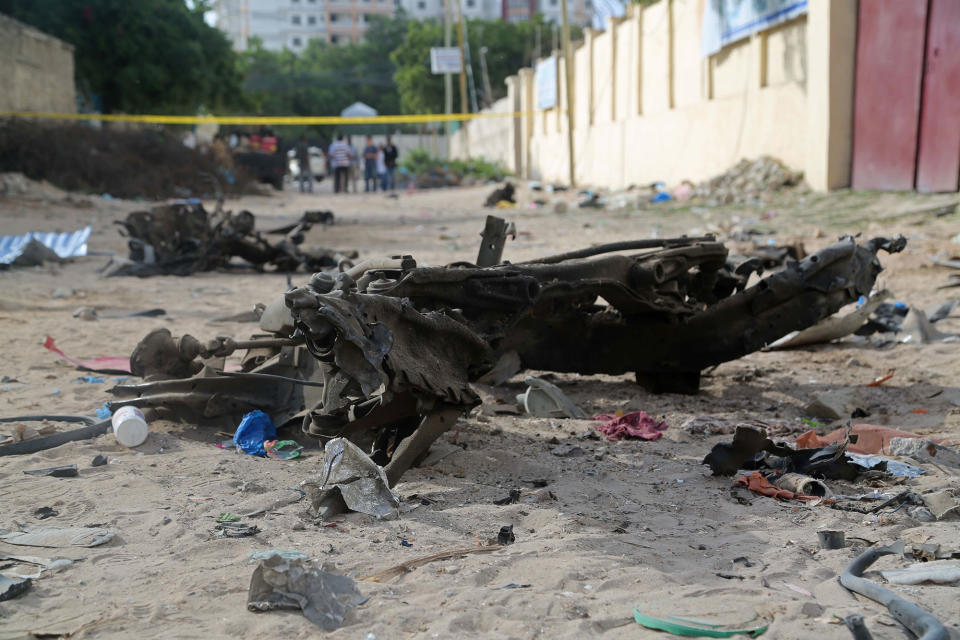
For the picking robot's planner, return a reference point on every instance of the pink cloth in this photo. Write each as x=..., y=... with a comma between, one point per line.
x=636, y=424
x=103, y=364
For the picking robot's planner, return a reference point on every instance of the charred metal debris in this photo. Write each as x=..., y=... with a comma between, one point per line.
x=182, y=238
x=383, y=353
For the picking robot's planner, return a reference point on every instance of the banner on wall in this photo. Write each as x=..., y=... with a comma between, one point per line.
x=726, y=21
x=546, y=81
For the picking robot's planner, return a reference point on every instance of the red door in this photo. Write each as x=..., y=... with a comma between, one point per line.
x=886, y=111
x=938, y=160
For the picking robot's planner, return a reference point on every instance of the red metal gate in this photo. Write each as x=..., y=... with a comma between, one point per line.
x=906, y=127
x=938, y=160
x=886, y=105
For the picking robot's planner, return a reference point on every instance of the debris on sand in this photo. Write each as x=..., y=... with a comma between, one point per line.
x=394, y=384
x=180, y=239
x=285, y=581
x=748, y=181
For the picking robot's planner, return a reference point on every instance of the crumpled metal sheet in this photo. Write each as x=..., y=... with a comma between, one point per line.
x=65, y=245
x=285, y=581
x=350, y=478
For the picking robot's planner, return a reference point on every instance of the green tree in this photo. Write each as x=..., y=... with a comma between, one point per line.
x=141, y=56
x=510, y=46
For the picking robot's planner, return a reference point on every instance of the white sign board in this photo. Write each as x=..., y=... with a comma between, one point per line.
x=546, y=82
x=445, y=60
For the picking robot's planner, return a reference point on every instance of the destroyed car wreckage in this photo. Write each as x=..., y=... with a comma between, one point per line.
x=182, y=238
x=384, y=352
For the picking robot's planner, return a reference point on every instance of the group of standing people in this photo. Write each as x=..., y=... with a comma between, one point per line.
x=379, y=165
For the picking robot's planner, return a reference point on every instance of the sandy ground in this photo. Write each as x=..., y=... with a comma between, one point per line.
x=629, y=522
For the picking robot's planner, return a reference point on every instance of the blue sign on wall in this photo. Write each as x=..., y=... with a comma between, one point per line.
x=727, y=21
x=546, y=80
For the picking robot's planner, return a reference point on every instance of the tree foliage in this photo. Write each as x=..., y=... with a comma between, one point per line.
x=510, y=46
x=324, y=78
x=140, y=56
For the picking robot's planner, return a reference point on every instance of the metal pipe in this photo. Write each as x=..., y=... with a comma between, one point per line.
x=924, y=625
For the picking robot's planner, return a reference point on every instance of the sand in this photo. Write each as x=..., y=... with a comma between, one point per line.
x=627, y=523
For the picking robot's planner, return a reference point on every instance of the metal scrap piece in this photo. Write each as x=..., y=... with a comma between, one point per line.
x=349, y=478
x=284, y=581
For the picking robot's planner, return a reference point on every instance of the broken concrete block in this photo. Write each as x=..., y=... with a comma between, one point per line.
x=942, y=504
x=835, y=404
x=925, y=451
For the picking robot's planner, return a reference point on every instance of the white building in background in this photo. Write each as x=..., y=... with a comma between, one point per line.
x=580, y=11
x=293, y=23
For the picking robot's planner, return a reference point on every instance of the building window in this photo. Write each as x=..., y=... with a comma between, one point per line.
x=294, y=1
x=296, y=42
x=471, y=4
x=334, y=39
x=334, y=17
x=311, y=19
x=421, y=5
x=588, y=3
x=295, y=19
x=312, y=1
x=553, y=3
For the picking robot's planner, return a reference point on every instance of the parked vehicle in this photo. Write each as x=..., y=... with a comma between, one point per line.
x=318, y=163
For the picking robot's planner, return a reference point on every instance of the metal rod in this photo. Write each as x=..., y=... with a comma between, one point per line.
x=568, y=68
x=628, y=245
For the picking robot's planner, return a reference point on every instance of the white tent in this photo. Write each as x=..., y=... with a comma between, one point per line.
x=358, y=110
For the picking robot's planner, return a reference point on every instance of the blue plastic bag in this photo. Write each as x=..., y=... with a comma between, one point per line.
x=255, y=429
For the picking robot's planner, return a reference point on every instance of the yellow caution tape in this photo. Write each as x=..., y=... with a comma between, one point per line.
x=275, y=120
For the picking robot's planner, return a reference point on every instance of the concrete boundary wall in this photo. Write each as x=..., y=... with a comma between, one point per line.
x=648, y=107
x=36, y=70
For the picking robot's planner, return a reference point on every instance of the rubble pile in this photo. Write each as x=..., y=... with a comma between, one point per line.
x=748, y=181
x=124, y=163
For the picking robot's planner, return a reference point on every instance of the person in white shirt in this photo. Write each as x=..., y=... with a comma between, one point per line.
x=340, y=160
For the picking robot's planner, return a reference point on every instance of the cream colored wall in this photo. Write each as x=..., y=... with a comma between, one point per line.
x=648, y=107
x=36, y=70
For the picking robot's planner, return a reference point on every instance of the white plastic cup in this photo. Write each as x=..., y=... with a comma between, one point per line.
x=129, y=426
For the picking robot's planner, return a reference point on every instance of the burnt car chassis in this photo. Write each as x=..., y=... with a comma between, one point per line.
x=384, y=353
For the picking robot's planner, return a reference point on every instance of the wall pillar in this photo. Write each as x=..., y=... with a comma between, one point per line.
x=831, y=59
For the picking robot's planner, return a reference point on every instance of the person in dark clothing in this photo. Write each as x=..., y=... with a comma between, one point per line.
x=303, y=164
x=370, y=153
x=390, y=154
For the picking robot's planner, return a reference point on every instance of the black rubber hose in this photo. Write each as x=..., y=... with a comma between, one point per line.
x=921, y=623
x=91, y=430
x=627, y=245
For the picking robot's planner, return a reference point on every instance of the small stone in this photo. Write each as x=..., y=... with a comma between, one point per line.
x=60, y=293
x=811, y=610
x=98, y=460
x=921, y=513
x=85, y=313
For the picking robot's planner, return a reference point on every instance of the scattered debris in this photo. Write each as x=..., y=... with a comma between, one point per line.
x=799, y=483
x=180, y=239
x=917, y=329
x=636, y=424
x=748, y=181
x=35, y=248
x=501, y=194
x=10, y=588
x=410, y=565
x=870, y=438
x=282, y=449
x=396, y=384
x=512, y=498
x=255, y=429
x=568, y=451
x=758, y=484
x=505, y=536
x=350, y=480
x=713, y=618
x=65, y=471
x=834, y=327
x=102, y=364
x=235, y=530
x=42, y=513
x=543, y=399
x=921, y=623
x=98, y=460
x=924, y=450
x=936, y=572
x=284, y=581
x=942, y=504
x=830, y=539
x=44, y=536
